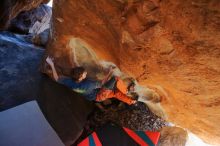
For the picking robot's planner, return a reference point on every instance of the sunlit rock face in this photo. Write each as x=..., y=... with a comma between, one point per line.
x=9, y=9
x=173, y=136
x=170, y=46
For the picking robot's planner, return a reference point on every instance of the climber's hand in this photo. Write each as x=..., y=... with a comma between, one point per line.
x=108, y=76
x=111, y=68
x=134, y=102
x=49, y=60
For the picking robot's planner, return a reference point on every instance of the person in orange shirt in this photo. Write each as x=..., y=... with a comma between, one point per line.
x=115, y=87
x=91, y=89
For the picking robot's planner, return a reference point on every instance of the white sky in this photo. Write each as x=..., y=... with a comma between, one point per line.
x=50, y=3
x=195, y=141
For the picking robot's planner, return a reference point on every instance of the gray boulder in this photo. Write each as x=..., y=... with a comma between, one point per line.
x=19, y=74
x=33, y=21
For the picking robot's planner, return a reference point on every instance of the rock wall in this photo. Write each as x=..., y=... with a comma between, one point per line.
x=34, y=21
x=169, y=46
x=9, y=9
x=173, y=136
x=19, y=74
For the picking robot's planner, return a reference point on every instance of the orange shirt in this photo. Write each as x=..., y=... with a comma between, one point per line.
x=106, y=93
x=121, y=85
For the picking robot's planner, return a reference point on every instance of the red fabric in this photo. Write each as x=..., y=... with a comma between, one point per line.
x=154, y=136
x=135, y=137
x=96, y=139
x=85, y=142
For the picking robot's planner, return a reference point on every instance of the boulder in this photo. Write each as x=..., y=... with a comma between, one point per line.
x=173, y=136
x=40, y=39
x=9, y=9
x=19, y=73
x=34, y=21
x=169, y=46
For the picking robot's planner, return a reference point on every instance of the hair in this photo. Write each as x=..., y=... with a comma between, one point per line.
x=129, y=81
x=77, y=72
x=130, y=85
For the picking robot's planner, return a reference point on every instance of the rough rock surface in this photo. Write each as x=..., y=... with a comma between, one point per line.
x=172, y=136
x=34, y=21
x=169, y=46
x=9, y=9
x=19, y=74
x=40, y=39
x=137, y=117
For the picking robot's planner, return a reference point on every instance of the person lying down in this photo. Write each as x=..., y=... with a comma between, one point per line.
x=109, y=87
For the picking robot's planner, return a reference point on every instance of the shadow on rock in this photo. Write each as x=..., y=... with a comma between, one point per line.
x=64, y=109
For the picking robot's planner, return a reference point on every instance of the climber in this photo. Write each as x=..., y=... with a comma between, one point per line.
x=92, y=90
x=127, y=87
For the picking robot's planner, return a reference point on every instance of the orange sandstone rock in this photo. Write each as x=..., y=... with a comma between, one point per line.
x=169, y=45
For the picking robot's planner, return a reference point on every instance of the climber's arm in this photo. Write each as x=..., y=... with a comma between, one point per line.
x=50, y=62
x=122, y=97
x=108, y=76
